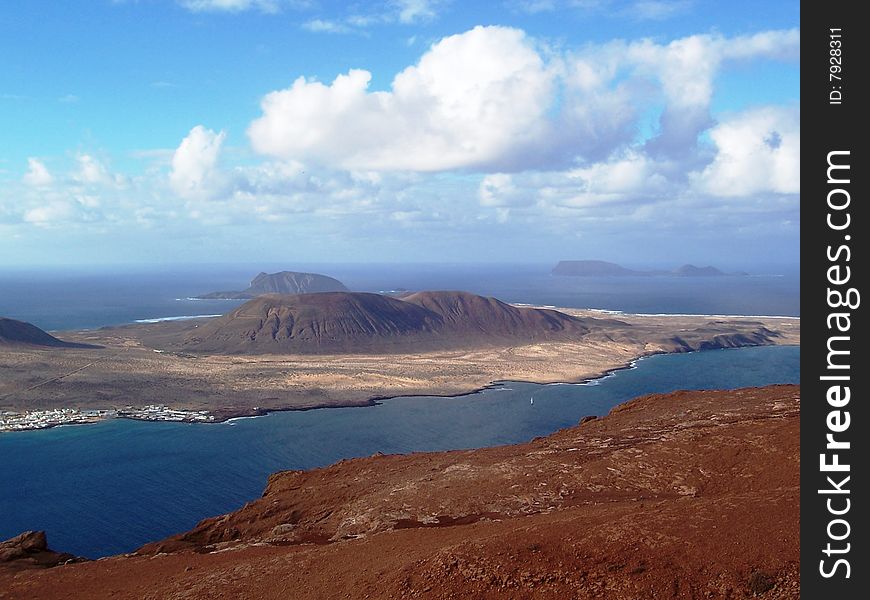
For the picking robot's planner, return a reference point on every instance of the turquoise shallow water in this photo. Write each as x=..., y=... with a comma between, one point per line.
x=110, y=487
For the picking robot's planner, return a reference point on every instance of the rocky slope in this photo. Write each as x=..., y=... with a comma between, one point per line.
x=357, y=322
x=20, y=333
x=30, y=550
x=684, y=495
x=284, y=282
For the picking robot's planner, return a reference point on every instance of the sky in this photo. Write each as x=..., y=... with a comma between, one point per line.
x=229, y=131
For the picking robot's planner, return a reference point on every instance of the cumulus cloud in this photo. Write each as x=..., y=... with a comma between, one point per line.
x=91, y=170
x=757, y=151
x=629, y=176
x=448, y=111
x=194, y=172
x=63, y=207
x=631, y=179
x=37, y=174
x=686, y=68
x=488, y=131
x=489, y=100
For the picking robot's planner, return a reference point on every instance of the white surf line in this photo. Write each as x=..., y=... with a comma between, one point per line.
x=715, y=316
x=630, y=314
x=232, y=420
x=180, y=318
x=627, y=314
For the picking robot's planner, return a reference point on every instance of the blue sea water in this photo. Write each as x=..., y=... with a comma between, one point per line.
x=75, y=299
x=110, y=487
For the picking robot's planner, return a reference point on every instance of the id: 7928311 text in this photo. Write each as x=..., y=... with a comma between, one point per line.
x=835, y=67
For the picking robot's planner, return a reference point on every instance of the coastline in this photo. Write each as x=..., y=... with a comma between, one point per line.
x=468, y=517
x=139, y=367
x=206, y=417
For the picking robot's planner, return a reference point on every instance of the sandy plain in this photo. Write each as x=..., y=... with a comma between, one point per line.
x=133, y=369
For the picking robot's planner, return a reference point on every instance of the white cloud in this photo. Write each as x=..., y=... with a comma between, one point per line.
x=230, y=5
x=685, y=69
x=495, y=189
x=783, y=44
x=325, y=26
x=37, y=174
x=363, y=16
x=91, y=171
x=631, y=179
x=532, y=7
x=630, y=175
x=757, y=151
x=546, y=141
x=194, y=171
x=639, y=10
x=686, y=66
x=412, y=11
x=487, y=100
x=470, y=101
x=657, y=10
x=49, y=213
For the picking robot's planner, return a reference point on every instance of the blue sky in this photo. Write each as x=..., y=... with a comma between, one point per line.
x=408, y=130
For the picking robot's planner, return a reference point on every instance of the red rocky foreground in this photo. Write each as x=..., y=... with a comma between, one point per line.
x=684, y=495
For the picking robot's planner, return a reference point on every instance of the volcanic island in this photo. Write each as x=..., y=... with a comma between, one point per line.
x=682, y=495
x=325, y=349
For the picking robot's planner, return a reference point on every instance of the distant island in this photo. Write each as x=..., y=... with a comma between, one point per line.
x=280, y=352
x=601, y=268
x=284, y=282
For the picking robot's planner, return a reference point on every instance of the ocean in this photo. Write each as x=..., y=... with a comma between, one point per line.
x=110, y=487
x=73, y=299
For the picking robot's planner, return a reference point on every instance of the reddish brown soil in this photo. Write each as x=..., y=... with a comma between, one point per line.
x=685, y=495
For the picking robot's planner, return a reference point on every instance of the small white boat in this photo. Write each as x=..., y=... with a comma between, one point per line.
x=532, y=400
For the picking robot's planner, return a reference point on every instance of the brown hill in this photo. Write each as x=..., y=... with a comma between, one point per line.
x=20, y=333
x=284, y=282
x=469, y=313
x=355, y=322
x=684, y=495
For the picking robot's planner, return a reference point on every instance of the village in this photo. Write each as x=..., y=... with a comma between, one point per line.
x=43, y=419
